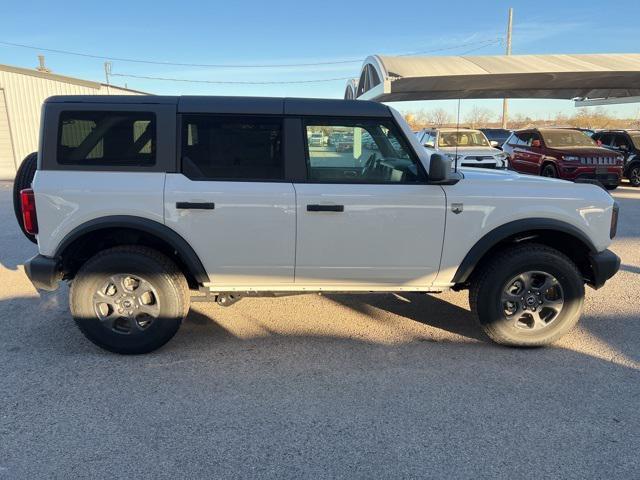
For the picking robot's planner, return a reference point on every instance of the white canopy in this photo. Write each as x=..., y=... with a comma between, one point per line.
x=385, y=78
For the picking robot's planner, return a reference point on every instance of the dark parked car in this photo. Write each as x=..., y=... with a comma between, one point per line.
x=498, y=135
x=563, y=153
x=627, y=144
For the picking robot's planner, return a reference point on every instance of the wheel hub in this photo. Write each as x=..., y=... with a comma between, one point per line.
x=126, y=303
x=532, y=300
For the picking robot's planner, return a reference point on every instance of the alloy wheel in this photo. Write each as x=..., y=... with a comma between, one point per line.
x=532, y=300
x=126, y=304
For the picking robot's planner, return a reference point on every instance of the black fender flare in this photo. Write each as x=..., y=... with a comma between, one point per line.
x=498, y=234
x=159, y=230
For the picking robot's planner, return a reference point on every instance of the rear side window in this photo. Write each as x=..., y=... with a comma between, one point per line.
x=107, y=138
x=232, y=148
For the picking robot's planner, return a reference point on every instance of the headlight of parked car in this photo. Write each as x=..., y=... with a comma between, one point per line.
x=452, y=156
x=571, y=158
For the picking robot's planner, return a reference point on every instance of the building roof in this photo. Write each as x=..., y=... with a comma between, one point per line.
x=62, y=78
x=386, y=78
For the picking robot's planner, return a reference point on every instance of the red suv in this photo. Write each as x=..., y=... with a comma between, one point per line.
x=563, y=153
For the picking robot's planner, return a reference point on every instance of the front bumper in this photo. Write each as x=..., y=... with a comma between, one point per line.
x=609, y=176
x=604, y=265
x=44, y=272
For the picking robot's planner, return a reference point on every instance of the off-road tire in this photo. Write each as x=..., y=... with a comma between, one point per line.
x=23, y=179
x=487, y=285
x=164, y=275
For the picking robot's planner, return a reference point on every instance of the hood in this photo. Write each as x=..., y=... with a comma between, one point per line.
x=585, y=151
x=508, y=175
x=471, y=150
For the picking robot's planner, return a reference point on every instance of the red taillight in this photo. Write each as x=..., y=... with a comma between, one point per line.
x=28, y=202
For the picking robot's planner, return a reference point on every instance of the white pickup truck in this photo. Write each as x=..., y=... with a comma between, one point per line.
x=139, y=200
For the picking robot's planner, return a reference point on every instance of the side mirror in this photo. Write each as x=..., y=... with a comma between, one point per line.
x=494, y=144
x=624, y=147
x=536, y=143
x=439, y=168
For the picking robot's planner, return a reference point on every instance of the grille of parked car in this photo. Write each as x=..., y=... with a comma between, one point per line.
x=598, y=160
x=479, y=157
x=479, y=165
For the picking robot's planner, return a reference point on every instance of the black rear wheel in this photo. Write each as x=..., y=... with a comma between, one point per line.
x=24, y=177
x=129, y=299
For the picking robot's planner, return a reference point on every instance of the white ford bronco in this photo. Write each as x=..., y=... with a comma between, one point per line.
x=138, y=201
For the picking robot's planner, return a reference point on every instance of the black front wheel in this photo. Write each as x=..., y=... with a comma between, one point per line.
x=528, y=296
x=634, y=176
x=549, y=171
x=129, y=299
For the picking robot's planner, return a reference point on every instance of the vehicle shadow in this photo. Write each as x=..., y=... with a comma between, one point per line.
x=422, y=308
x=629, y=268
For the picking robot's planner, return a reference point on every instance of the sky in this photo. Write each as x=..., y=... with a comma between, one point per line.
x=284, y=32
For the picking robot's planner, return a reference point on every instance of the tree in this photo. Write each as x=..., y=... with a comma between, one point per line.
x=478, y=117
x=438, y=117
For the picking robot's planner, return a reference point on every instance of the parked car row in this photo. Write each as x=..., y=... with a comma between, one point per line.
x=575, y=154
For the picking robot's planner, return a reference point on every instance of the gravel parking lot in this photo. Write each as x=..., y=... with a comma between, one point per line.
x=321, y=386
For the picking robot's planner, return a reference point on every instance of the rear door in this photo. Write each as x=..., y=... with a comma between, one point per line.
x=366, y=216
x=231, y=201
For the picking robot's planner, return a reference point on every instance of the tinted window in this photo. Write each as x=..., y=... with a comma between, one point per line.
x=603, y=138
x=620, y=141
x=567, y=138
x=470, y=138
x=359, y=151
x=232, y=148
x=107, y=138
x=522, y=139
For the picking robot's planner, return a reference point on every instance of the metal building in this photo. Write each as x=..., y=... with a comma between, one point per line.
x=22, y=92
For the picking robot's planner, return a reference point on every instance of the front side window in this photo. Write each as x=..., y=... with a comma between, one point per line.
x=106, y=138
x=524, y=139
x=359, y=151
x=232, y=148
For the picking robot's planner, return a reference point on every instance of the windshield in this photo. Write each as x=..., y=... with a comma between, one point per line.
x=463, y=139
x=635, y=138
x=567, y=138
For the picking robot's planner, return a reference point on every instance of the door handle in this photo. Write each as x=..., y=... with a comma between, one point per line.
x=196, y=205
x=325, y=208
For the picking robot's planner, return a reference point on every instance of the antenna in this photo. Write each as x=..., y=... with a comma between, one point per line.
x=505, y=102
x=455, y=157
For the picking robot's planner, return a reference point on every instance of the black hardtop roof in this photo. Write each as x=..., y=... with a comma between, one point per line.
x=240, y=105
x=618, y=130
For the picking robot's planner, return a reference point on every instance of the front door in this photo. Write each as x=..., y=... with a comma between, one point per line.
x=231, y=202
x=366, y=214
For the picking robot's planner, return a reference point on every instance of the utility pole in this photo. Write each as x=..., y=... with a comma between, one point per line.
x=107, y=71
x=505, y=102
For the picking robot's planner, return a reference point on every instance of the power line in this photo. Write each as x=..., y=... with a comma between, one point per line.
x=487, y=42
x=228, y=82
x=251, y=82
